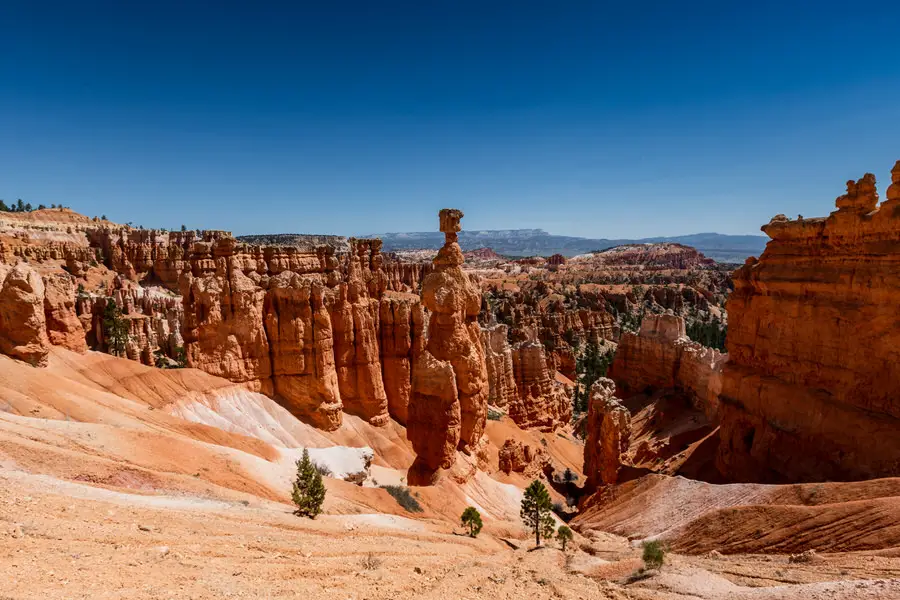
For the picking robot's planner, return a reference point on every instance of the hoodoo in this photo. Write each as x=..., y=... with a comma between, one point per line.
x=448, y=406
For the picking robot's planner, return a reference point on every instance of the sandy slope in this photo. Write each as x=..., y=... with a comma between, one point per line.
x=64, y=540
x=112, y=422
x=698, y=517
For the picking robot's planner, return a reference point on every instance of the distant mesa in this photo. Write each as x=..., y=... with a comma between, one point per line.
x=537, y=242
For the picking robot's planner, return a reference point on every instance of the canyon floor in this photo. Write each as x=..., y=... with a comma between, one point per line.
x=64, y=540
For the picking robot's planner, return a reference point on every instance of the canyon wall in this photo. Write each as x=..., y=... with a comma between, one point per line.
x=662, y=357
x=324, y=325
x=811, y=391
x=324, y=332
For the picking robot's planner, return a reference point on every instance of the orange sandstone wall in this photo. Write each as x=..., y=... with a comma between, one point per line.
x=811, y=391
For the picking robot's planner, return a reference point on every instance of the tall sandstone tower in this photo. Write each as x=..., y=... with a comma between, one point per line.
x=448, y=405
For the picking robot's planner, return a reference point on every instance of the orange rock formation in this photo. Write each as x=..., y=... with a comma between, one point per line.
x=662, y=357
x=541, y=402
x=608, y=435
x=448, y=407
x=811, y=389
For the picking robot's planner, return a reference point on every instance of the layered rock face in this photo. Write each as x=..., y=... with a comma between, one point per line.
x=516, y=457
x=61, y=318
x=608, y=435
x=23, y=326
x=541, y=402
x=649, y=359
x=662, y=357
x=320, y=332
x=317, y=322
x=499, y=360
x=521, y=380
x=811, y=391
x=448, y=407
x=402, y=341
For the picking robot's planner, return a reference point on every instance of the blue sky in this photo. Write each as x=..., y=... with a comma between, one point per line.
x=584, y=118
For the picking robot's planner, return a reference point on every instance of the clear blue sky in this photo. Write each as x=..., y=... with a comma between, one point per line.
x=622, y=119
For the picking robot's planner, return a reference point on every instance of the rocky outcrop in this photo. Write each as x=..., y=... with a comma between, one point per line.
x=499, y=360
x=223, y=326
x=298, y=327
x=354, y=317
x=23, y=325
x=517, y=457
x=61, y=318
x=303, y=325
x=608, y=435
x=662, y=357
x=402, y=341
x=448, y=407
x=649, y=359
x=541, y=402
x=811, y=388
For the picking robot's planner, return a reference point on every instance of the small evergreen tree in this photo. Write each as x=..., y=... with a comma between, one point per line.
x=184, y=228
x=471, y=518
x=654, y=554
x=564, y=535
x=42, y=206
x=536, y=511
x=3, y=206
x=20, y=206
x=309, y=491
x=115, y=328
x=160, y=359
x=181, y=357
x=28, y=207
x=102, y=217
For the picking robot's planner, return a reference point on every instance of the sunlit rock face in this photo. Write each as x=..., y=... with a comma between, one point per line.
x=448, y=406
x=811, y=390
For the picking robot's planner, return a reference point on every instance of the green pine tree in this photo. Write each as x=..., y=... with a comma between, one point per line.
x=309, y=491
x=115, y=328
x=564, y=535
x=536, y=511
x=471, y=518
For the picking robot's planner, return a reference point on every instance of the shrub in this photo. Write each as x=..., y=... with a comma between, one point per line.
x=370, y=562
x=535, y=511
x=309, y=491
x=564, y=535
x=403, y=497
x=323, y=470
x=181, y=357
x=358, y=478
x=654, y=554
x=494, y=414
x=471, y=518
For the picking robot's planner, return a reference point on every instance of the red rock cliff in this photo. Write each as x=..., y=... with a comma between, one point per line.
x=812, y=388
